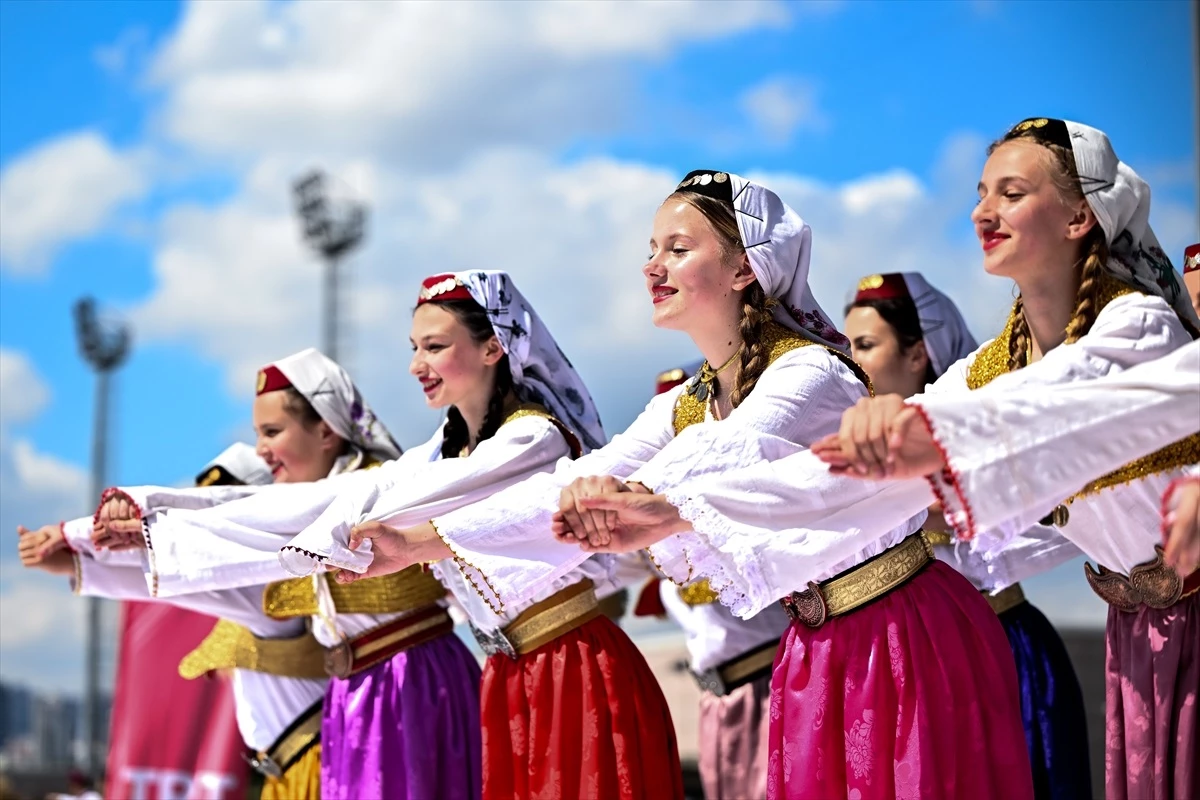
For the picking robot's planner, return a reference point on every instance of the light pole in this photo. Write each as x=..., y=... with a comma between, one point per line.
x=332, y=231
x=104, y=347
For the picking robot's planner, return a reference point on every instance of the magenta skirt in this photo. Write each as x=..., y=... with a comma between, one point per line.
x=1152, y=687
x=912, y=696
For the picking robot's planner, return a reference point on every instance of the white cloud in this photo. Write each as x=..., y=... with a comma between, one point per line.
x=419, y=84
x=65, y=189
x=23, y=393
x=781, y=106
x=125, y=52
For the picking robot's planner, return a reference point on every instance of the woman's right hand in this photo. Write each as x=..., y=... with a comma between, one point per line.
x=881, y=438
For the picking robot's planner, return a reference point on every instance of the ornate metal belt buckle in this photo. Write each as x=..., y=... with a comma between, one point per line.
x=1158, y=585
x=339, y=659
x=264, y=765
x=807, y=607
x=1112, y=587
x=710, y=680
x=494, y=643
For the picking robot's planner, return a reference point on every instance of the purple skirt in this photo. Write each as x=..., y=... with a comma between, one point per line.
x=1152, y=687
x=406, y=729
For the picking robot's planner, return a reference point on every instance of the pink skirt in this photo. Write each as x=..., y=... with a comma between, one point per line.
x=912, y=696
x=1152, y=683
x=734, y=737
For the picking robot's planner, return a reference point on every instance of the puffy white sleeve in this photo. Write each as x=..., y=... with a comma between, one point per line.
x=767, y=515
x=1132, y=330
x=519, y=449
x=237, y=543
x=503, y=544
x=1015, y=454
x=151, y=499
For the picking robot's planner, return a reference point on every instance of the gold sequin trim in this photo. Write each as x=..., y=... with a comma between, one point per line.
x=469, y=571
x=992, y=362
x=406, y=590
x=230, y=646
x=870, y=282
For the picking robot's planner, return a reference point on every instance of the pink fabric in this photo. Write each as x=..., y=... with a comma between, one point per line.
x=734, y=737
x=911, y=696
x=1152, y=679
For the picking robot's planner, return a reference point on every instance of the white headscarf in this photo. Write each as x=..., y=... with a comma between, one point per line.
x=1120, y=199
x=242, y=463
x=541, y=373
x=778, y=243
x=337, y=400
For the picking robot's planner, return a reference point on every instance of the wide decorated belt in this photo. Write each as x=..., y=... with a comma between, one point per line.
x=860, y=584
x=542, y=622
x=366, y=650
x=1151, y=583
x=737, y=672
x=295, y=741
x=1006, y=599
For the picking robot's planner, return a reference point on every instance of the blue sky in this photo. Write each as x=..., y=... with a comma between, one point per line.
x=146, y=151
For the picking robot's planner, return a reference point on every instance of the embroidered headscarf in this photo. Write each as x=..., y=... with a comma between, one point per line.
x=541, y=373
x=943, y=328
x=237, y=464
x=778, y=243
x=1120, y=199
x=337, y=400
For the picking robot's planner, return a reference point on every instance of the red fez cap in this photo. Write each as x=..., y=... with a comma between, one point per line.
x=270, y=379
x=882, y=287
x=1191, y=259
x=439, y=288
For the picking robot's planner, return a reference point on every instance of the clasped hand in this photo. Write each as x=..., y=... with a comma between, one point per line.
x=605, y=515
x=881, y=438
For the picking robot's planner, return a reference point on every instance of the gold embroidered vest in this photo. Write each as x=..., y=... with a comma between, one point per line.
x=992, y=362
x=690, y=410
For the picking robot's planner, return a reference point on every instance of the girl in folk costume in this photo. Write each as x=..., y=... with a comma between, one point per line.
x=729, y=266
x=906, y=334
x=854, y=710
x=1064, y=217
x=401, y=712
x=277, y=695
x=482, y=351
x=731, y=661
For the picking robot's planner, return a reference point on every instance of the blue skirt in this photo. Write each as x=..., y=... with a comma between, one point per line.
x=1051, y=706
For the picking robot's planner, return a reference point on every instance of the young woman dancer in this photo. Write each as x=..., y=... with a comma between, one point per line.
x=906, y=334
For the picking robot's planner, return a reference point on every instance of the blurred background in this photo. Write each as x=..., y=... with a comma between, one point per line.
x=159, y=158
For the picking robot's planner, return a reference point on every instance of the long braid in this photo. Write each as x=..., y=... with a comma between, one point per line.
x=501, y=389
x=755, y=316
x=454, y=434
x=1087, y=297
x=1018, y=345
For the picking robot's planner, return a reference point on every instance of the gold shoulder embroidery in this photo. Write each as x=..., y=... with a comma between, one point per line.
x=535, y=410
x=230, y=646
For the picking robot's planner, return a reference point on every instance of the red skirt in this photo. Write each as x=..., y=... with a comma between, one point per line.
x=580, y=717
x=911, y=696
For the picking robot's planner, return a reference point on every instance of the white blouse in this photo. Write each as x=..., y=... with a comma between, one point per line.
x=504, y=544
x=1018, y=453
x=714, y=635
x=265, y=704
x=764, y=530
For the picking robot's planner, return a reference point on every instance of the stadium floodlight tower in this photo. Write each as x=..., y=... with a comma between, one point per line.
x=332, y=228
x=104, y=344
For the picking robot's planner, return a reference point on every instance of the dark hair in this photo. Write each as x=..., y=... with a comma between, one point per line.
x=297, y=405
x=756, y=306
x=901, y=316
x=1094, y=249
x=455, y=436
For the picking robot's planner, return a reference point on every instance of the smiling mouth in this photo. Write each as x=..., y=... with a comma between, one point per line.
x=991, y=240
x=661, y=293
x=429, y=386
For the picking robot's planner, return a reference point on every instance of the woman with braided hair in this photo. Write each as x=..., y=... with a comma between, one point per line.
x=728, y=265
